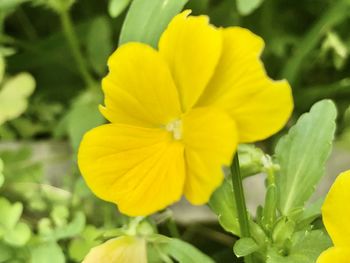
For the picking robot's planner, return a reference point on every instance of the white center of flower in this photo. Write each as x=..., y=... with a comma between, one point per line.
x=175, y=127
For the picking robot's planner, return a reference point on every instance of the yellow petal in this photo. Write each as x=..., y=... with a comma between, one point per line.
x=139, y=89
x=123, y=249
x=259, y=105
x=335, y=255
x=139, y=169
x=210, y=140
x=192, y=49
x=336, y=211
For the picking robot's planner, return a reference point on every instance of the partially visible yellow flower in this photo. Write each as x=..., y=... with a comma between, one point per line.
x=336, y=218
x=124, y=249
x=178, y=113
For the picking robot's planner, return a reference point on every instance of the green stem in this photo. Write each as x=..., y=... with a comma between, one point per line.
x=240, y=202
x=335, y=14
x=269, y=213
x=73, y=42
x=172, y=227
x=26, y=24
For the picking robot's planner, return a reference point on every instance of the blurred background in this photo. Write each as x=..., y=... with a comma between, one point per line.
x=53, y=55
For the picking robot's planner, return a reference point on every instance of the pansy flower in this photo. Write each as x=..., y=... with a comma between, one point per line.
x=177, y=114
x=336, y=218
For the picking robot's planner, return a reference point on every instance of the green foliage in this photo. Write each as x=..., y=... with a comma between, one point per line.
x=99, y=44
x=116, y=7
x=14, y=93
x=305, y=248
x=173, y=248
x=246, y=7
x=146, y=20
x=12, y=231
x=85, y=105
x=223, y=205
x=245, y=246
x=302, y=155
x=80, y=246
x=2, y=177
x=47, y=252
x=58, y=6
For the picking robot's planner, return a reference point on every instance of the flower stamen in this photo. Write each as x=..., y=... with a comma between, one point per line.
x=175, y=127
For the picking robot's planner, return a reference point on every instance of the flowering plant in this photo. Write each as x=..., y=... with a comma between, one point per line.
x=174, y=145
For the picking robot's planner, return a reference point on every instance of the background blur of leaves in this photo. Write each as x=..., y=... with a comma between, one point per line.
x=307, y=42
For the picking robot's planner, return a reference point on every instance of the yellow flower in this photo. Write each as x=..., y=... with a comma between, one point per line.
x=336, y=218
x=178, y=113
x=124, y=249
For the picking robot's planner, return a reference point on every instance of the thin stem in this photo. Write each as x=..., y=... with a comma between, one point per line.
x=73, y=42
x=269, y=213
x=335, y=14
x=240, y=202
x=172, y=227
x=26, y=24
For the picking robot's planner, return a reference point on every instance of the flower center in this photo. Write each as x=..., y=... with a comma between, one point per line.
x=175, y=127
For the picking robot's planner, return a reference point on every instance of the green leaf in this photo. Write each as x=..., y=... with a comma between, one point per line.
x=2, y=67
x=223, y=204
x=283, y=230
x=2, y=177
x=19, y=235
x=19, y=162
x=116, y=7
x=5, y=5
x=47, y=252
x=14, y=95
x=146, y=20
x=302, y=155
x=246, y=7
x=184, y=252
x=6, y=252
x=250, y=159
x=99, y=44
x=72, y=229
x=58, y=6
x=245, y=246
x=80, y=246
x=310, y=214
x=10, y=214
x=83, y=116
x=306, y=248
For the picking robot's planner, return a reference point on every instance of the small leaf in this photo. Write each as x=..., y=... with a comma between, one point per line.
x=245, y=246
x=2, y=67
x=306, y=248
x=9, y=4
x=302, y=155
x=223, y=204
x=116, y=7
x=2, y=177
x=80, y=246
x=10, y=214
x=19, y=235
x=250, y=159
x=99, y=44
x=72, y=229
x=83, y=116
x=246, y=7
x=14, y=95
x=6, y=252
x=47, y=252
x=184, y=252
x=283, y=230
x=146, y=20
